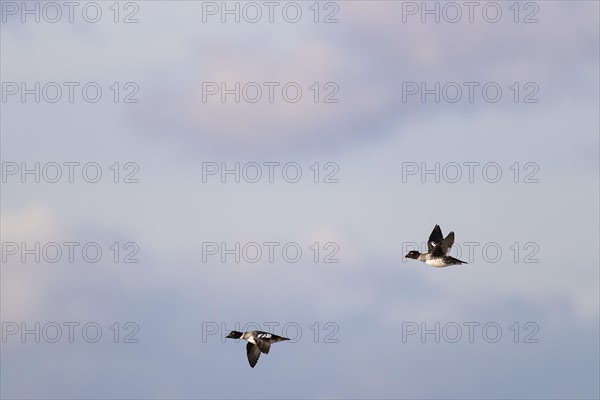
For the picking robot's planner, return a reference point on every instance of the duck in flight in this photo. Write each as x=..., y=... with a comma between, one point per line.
x=258, y=342
x=437, y=250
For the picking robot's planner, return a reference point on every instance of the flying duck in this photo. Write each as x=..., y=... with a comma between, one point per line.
x=437, y=250
x=258, y=342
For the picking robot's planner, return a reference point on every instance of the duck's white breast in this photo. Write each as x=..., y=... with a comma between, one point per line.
x=436, y=262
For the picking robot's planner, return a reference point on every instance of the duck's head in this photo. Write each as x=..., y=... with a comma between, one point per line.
x=234, y=335
x=412, y=254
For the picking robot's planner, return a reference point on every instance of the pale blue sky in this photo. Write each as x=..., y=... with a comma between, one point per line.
x=372, y=293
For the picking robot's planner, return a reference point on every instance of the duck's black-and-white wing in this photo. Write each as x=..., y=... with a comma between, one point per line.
x=253, y=353
x=263, y=345
x=437, y=244
x=441, y=249
x=435, y=238
x=447, y=243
